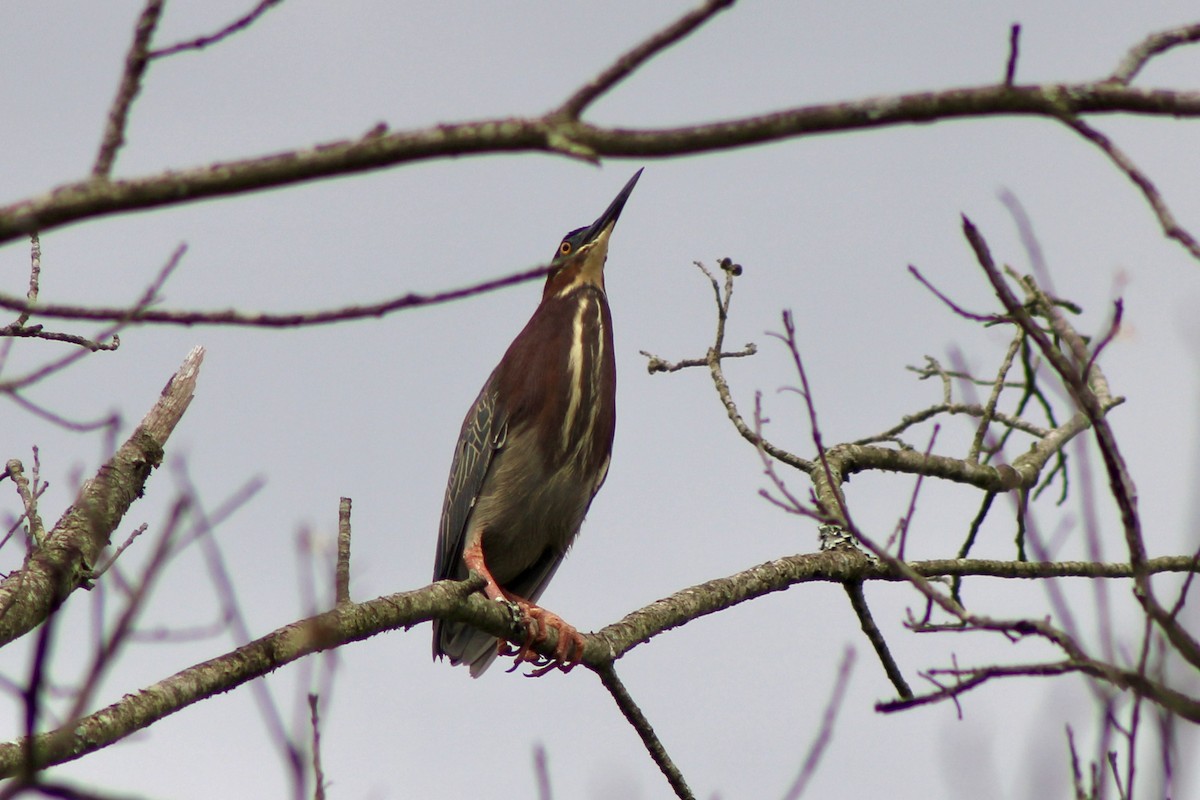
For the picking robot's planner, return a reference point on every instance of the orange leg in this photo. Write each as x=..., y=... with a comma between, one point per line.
x=568, y=647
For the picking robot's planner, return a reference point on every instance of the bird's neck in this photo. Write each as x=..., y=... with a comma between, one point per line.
x=574, y=276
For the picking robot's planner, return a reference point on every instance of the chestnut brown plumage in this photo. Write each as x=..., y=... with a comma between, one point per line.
x=533, y=451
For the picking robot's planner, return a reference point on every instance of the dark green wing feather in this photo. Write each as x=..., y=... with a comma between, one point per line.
x=482, y=435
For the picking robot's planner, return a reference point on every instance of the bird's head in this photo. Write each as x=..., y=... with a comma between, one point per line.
x=581, y=254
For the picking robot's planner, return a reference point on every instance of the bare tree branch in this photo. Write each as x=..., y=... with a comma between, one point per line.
x=141, y=314
x=1014, y=50
x=201, y=42
x=1141, y=53
x=35, y=274
x=1154, y=198
x=713, y=358
x=552, y=134
x=632, y=713
x=542, y=772
x=341, y=578
x=19, y=327
x=37, y=531
x=136, y=60
x=1090, y=390
x=825, y=733
x=149, y=296
x=460, y=601
x=318, y=772
x=628, y=63
x=51, y=572
x=858, y=601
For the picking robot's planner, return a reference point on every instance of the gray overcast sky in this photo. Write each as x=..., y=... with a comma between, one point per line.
x=825, y=226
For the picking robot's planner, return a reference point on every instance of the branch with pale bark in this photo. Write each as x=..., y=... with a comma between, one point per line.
x=62, y=562
x=458, y=601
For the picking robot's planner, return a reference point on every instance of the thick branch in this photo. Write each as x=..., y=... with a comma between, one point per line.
x=93, y=198
x=834, y=566
x=351, y=622
x=63, y=563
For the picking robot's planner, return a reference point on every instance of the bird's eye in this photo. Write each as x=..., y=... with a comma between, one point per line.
x=564, y=248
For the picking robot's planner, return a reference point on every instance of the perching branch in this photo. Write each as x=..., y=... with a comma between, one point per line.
x=460, y=602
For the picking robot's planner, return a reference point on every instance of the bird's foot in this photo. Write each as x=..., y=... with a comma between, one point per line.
x=568, y=646
x=537, y=622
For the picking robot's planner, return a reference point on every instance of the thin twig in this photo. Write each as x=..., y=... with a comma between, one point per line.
x=201, y=42
x=989, y=409
x=906, y=520
x=103, y=568
x=37, y=531
x=866, y=620
x=1029, y=239
x=657, y=364
x=140, y=313
x=318, y=772
x=1014, y=42
x=149, y=296
x=1170, y=226
x=630, y=61
x=629, y=708
x=36, y=332
x=19, y=327
x=1141, y=53
x=205, y=525
x=35, y=273
x=1113, y=329
x=1076, y=775
x=32, y=695
x=825, y=733
x=717, y=371
x=111, y=422
x=136, y=60
x=933, y=368
x=955, y=307
x=541, y=771
x=968, y=679
x=713, y=360
x=1116, y=773
x=342, y=570
x=969, y=542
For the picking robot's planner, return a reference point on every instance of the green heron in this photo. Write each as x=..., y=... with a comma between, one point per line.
x=533, y=451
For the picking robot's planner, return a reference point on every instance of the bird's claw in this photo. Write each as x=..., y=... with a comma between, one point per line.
x=568, y=648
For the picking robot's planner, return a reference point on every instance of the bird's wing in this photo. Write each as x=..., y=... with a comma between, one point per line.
x=483, y=433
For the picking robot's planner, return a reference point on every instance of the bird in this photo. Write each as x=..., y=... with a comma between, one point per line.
x=533, y=451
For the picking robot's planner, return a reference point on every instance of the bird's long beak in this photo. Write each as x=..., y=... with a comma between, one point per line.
x=609, y=218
